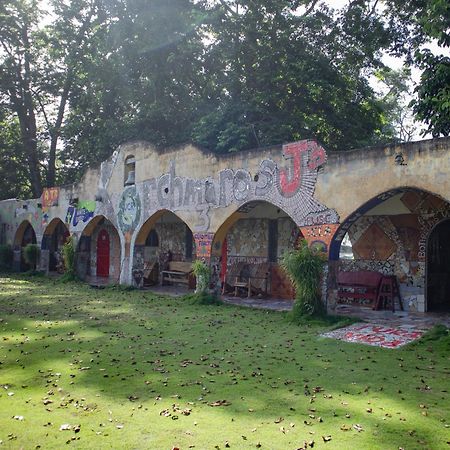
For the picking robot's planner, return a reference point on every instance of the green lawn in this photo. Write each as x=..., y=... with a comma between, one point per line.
x=137, y=371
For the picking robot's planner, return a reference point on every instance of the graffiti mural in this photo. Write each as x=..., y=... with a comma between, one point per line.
x=290, y=186
x=129, y=212
x=50, y=197
x=319, y=236
x=83, y=212
x=203, y=242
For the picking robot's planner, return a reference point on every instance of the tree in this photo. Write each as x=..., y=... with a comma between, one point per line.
x=287, y=75
x=150, y=86
x=19, y=71
x=39, y=68
x=420, y=23
x=433, y=94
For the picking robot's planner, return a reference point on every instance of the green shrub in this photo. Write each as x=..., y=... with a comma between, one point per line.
x=304, y=267
x=202, y=298
x=31, y=254
x=6, y=257
x=202, y=273
x=68, y=254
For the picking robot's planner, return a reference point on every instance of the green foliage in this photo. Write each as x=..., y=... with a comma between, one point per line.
x=68, y=254
x=432, y=105
x=202, y=272
x=31, y=253
x=304, y=267
x=6, y=257
x=202, y=298
x=438, y=333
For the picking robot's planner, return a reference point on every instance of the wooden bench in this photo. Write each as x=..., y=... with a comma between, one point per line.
x=178, y=272
x=363, y=284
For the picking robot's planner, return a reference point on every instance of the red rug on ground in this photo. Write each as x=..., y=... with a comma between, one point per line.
x=378, y=335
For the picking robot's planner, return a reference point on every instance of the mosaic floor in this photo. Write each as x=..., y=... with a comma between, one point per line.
x=377, y=335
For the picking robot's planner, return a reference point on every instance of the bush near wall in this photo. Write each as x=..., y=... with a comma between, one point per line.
x=304, y=267
x=31, y=254
x=6, y=257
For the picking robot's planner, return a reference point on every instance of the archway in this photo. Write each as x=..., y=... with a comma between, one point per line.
x=438, y=268
x=99, y=251
x=163, y=238
x=55, y=236
x=25, y=235
x=388, y=235
x=250, y=244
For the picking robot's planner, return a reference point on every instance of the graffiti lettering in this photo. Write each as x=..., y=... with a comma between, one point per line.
x=203, y=242
x=291, y=177
x=50, y=197
x=238, y=186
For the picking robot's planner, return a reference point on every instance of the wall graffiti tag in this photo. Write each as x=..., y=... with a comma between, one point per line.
x=291, y=187
x=129, y=212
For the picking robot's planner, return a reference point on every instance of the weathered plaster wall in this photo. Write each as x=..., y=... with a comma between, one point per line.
x=350, y=179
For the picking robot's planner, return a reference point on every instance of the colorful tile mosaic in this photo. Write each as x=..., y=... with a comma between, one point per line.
x=376, y=335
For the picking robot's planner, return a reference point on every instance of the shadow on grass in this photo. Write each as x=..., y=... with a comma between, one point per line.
x=138, y=347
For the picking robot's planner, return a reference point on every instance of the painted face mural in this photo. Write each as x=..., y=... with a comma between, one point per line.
x=129, y=209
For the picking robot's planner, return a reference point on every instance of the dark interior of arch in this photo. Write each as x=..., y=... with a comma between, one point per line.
x=438, y=268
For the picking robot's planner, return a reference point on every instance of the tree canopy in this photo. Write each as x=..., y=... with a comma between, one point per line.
x=78, y=77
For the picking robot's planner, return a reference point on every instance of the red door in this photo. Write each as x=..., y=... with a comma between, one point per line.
x=103, y=254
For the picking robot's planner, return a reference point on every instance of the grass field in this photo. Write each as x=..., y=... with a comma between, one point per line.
x=93, y=369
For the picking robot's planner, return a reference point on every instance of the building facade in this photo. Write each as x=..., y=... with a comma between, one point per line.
x=390, y=206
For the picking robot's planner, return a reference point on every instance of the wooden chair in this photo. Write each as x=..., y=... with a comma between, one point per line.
x=150, y=276
x=254, y=278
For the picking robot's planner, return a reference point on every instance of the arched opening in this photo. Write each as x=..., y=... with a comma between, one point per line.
x=129, y=171
x=388, y=235
x=162, y=239
x=250, y=244
x=438, y=268
x=55, y=236
x=99, y=252
x=25, y=235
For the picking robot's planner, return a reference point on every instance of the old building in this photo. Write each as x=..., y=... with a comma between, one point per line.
x=242, y=211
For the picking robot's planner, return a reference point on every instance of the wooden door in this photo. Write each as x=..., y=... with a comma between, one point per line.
x=103, y=254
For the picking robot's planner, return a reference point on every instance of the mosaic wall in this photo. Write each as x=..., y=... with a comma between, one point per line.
x=396, y=244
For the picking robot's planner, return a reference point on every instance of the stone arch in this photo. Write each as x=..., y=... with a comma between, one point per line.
x=175, y=242
x=389, y=234
x=55, y=236
x=25, y=234
x=88, y=259
x=367, y=206
x=253, y=239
